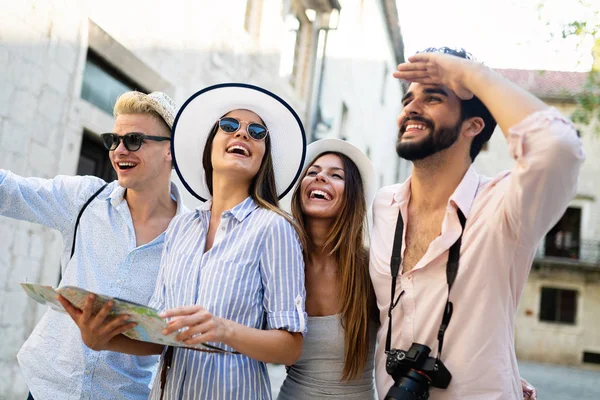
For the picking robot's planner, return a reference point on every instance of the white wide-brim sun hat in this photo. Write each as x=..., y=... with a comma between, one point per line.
x=364, y=165
x=202, y=110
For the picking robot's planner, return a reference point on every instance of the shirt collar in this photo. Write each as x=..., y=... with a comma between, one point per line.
x=402, y=194
x=117, y=196
x=462, y=197
x=466, y=190
x=204, y=206
x=239, y=212
x=181, y=208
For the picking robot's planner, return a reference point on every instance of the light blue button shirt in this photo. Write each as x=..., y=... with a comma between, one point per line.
x=253, y=275
x=54, y=360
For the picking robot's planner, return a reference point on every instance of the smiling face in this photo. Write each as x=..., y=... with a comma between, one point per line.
x=429, y=123
x=138, y=170
x=322, y=188
x=237, y=153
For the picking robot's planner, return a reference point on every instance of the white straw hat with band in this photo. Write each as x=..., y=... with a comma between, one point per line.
x=164, y=106
x=202, y=110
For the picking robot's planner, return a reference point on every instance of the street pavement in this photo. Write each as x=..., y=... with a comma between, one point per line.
x=277, y=375
x=552, y=382
x=557, y=382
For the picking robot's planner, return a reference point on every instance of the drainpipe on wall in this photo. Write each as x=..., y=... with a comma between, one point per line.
x=330, y=22
x=317, y=115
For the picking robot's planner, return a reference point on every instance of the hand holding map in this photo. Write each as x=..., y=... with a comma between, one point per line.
x=149, y=324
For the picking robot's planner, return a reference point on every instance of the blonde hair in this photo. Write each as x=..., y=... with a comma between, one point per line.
x=135, y=102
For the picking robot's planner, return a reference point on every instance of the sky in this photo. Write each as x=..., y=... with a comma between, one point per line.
x=500, y=33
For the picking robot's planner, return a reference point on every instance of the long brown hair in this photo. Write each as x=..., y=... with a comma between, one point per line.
x=263, y=189
x=346, y=239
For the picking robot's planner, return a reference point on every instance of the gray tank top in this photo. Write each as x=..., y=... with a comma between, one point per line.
x=316, y=375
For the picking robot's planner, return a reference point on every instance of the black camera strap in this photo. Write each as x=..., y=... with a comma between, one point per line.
x=395, y=267
x=451, y=272
x=87, y=203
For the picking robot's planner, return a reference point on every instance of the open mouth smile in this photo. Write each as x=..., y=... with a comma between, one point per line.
x=420, y=127
x=319, y=195
x=125, y=165
x=239, y=150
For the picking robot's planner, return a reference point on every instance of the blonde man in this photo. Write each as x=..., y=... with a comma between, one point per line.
x=116, y=250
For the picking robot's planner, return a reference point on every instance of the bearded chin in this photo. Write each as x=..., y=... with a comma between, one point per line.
x=431, y=144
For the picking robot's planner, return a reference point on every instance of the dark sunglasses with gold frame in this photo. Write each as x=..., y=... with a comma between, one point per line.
x=132, y=141
x=231, y=125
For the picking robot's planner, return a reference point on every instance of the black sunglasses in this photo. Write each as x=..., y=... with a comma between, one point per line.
x=232, y=125
x=132, y=141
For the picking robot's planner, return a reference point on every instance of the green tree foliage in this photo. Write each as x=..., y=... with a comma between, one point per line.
x=587, y=30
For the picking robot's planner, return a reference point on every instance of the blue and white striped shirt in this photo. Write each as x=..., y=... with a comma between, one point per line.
x=253, y=275
x=55, y=362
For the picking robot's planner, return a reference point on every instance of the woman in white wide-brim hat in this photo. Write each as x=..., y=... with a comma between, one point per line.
x=232, y=272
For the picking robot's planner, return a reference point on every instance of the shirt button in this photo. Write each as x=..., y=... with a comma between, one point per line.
x=87, y=371
x=118, y=281
x=223, y=228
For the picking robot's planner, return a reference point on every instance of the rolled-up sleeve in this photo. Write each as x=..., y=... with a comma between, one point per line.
x=282, y=274
x=548, y=155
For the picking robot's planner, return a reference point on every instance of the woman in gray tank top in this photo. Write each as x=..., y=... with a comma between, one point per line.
x=330, y=205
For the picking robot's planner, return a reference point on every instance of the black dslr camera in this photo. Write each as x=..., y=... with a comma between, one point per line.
x=413, y=372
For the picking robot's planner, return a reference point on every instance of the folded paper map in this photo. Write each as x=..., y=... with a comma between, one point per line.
x=149, y=325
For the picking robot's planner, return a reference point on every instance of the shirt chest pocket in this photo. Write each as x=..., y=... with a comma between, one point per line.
x=225, y=286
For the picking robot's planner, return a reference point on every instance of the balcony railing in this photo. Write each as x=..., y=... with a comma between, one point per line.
x=588, y=252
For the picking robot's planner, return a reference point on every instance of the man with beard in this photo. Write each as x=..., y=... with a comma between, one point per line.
x=460, y=245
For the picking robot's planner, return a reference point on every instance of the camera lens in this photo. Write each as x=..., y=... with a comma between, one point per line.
x=413, y=386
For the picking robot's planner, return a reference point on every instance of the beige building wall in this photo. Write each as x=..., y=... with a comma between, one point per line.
x=551, y=342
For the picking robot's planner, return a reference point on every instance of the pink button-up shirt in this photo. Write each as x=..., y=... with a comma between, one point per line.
x=506, y=218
